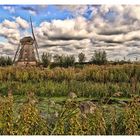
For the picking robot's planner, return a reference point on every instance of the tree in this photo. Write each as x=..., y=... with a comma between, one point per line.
x=64, y=61
x=99, y=58
x=81, y=57
x=46, y=59
x=5, y=61
x=69, y=60
x=58, y=59
x=9, y=61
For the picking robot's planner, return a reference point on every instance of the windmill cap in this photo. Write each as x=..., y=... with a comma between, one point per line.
x=27, y=40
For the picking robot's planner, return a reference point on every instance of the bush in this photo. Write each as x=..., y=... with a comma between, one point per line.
x=5, y=61
x=99, y=58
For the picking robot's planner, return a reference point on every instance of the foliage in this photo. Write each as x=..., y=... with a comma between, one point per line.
x=131, y=117
x=67, y=118
x=81, y=57
x=6, y=115
x=46, y=59
x=64, y=61
x=99, y=58
x=91, y=81
x=102, y=74
x=99, y=84
x=29, y=121
x=5, y=61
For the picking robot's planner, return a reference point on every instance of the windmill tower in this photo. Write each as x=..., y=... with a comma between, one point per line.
x=27, y=51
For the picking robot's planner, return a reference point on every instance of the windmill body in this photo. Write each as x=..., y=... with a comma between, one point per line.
x=27, y=52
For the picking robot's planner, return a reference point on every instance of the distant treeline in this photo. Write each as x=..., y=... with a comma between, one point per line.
x=98, y=58
x=5, y=61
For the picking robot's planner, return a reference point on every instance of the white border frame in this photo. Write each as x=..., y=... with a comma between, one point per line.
x=71, y=2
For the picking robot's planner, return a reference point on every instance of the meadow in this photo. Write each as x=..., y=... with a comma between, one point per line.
x=36, y=101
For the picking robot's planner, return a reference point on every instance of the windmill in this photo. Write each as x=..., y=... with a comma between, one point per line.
x=27, y=51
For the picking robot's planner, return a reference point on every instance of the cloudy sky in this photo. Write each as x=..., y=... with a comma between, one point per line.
x=71, y=29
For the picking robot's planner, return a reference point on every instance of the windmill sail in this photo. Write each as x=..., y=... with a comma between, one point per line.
x=16, y=53
x=36, y=45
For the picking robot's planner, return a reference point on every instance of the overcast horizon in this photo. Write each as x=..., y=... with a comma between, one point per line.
x=71, y=29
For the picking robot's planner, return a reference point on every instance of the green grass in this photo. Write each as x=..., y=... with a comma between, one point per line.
x=45, y=107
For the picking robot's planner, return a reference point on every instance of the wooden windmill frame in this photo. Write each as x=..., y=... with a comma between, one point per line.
x=33, y=43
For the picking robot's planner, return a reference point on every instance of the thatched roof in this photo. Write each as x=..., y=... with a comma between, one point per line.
x=27, y=40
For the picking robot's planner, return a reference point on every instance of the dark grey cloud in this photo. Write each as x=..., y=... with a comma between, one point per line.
x=113, y=41
x=107, y=32
x=54, y=44
x=66, y=37
x=30, y=9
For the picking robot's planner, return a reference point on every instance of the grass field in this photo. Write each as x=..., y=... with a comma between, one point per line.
x=36, y=101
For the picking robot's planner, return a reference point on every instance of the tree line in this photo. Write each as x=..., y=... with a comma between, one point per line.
x=99, y=58
x=48, y=60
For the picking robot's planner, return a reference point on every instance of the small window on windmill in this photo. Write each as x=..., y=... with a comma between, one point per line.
x=25, y=51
